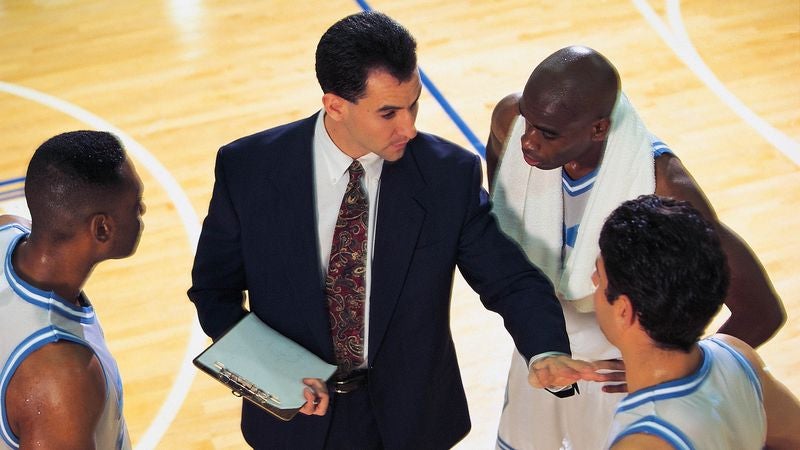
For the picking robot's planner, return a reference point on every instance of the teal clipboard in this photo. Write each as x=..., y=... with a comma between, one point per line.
x=261, y=365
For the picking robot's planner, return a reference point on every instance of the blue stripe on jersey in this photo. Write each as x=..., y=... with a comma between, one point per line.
x=659, y=147
x=577, y=187
x=41, y=298
x=748, y=369
x=570, y=235
x=25, y=348
x=671, y=389
x=503, y=444
x=574, y=188
x=657, y=427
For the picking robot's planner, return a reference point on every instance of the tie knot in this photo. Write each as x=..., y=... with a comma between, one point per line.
x=355, y=170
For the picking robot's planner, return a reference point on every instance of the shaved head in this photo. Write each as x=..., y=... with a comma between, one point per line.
x=575, y=80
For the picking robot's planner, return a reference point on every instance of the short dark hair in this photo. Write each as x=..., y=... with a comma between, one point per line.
x=668, y=260
x=68, y=177
x=359, y=44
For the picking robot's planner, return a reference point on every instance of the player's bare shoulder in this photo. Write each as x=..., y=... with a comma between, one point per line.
x=8, y=219
x=503, y=115
x=506, y=110
x=674, y=180
x=59, y=386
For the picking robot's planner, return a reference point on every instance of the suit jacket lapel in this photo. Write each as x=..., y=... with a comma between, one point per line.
x=294, y=180
x=401, y=213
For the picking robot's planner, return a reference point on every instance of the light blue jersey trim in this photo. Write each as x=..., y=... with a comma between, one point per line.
x=748, y=369
x=503, y=444
x=574, y=188
x=657, y=427
x=39, y=297
x=570, y=235
x=22, y=351
x=671, y=389
x=660, y=148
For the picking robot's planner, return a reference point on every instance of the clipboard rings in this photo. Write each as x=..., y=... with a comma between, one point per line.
x=242, y=387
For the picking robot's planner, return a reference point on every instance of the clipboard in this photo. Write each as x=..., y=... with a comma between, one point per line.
x=261, y=365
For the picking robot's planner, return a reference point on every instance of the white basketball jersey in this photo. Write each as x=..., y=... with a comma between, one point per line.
x=719, y=407
x=31, y=318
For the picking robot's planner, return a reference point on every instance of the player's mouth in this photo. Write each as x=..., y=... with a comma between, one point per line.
x=531, y=159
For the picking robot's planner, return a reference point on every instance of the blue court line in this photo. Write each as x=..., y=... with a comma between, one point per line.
x=465, y=130
x=11, y=181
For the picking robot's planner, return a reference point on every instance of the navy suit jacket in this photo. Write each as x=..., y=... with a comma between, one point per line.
x=260, y=237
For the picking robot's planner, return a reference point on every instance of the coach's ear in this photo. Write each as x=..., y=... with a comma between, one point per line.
x=335, y=106
x=600, y=129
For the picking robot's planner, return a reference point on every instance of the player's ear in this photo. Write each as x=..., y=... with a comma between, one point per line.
x=600, y=129
x=624, y=311
x=102, y=227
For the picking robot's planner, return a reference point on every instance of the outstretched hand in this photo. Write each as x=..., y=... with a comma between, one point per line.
x=561, y=370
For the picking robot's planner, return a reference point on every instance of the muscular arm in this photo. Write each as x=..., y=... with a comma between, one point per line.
x=502, y=117
x=781, y=406
x=756, y=310
x=56, y=397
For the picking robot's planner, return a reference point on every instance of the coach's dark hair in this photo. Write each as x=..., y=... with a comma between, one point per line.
x=667, y=259
x=361, y=43
x=70, y=177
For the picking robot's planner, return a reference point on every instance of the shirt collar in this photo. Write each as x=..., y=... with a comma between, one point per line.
x=336, y=161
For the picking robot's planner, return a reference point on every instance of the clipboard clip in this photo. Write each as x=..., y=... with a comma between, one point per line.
x=243, y=387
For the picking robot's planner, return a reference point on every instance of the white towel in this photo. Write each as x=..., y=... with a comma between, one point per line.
x=529, y=205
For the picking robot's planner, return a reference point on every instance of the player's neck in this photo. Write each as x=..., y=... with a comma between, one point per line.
x=51, y=269
x=582, y=166
x=647, y=366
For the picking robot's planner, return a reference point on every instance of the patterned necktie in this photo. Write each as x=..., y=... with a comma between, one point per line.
x=345, y=283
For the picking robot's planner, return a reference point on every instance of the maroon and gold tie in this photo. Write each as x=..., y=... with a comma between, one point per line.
x=345, y=283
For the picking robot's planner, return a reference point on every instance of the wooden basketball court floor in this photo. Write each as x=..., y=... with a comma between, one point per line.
x=718, y=81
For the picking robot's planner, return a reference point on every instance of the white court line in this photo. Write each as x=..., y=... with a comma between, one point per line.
x=676, y=37
x=197, y=339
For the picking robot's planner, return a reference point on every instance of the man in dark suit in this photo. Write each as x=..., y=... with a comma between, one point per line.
x=345, y=229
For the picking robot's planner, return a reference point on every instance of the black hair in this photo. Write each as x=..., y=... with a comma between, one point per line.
x=358, y=44
x=668, y=260
x=69, y=175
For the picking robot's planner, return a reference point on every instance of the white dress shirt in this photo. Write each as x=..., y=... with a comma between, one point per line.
x=330, y=183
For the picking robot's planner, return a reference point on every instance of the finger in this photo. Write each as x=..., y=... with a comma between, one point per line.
x=310, y=405
x=323, y=400
x=609, y=364
x=320, y=397
x=615, y=388
x=607, y=376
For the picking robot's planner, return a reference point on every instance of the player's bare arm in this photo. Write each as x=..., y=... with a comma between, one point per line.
x=639, y=441
x=502, y=117
x=56, y=397
x=756, y=310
